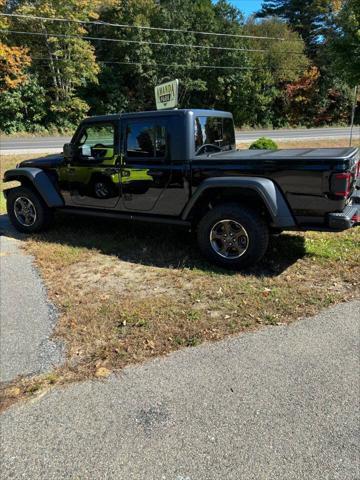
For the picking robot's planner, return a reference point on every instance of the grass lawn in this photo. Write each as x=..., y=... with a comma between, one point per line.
x=129, y=292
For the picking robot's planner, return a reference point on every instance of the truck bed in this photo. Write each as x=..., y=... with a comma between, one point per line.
x=302, y=174
x=343, y=153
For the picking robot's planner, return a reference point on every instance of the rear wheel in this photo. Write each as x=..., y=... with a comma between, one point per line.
x=27, y=211
x=233, y=236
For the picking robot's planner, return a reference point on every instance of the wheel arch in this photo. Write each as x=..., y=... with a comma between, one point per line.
x=261, y=193
x=36, y=179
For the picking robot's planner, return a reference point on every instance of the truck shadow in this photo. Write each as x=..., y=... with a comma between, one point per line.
x=150, y=244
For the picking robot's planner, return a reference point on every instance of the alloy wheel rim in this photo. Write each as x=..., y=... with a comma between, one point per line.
x=229, y=239
x=101, y=190
x=25, y=211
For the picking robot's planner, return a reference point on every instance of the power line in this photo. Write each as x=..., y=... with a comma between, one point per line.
x=118, y=40
x=144, y=42
x=215, y=67
x=172, y=65
x=139, y=27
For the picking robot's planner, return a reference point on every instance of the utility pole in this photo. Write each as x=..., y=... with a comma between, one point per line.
x=353, y=114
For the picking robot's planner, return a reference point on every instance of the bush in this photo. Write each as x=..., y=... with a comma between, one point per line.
x=263, y=143
x=23, y=108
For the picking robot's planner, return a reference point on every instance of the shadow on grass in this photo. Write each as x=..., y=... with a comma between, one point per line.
x=162, y=246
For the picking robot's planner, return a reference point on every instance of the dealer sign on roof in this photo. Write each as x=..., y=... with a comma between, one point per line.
x=166, y=95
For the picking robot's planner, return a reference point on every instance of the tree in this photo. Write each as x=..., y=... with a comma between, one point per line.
x=308, y=17
x=272, y=67
x=14, y=61
x=248, y=91
x=330, y=29
x=63, y=63
x=23, y=108
x=343, y=46
x=13, y=64
x=81, y=75
x=129, y=83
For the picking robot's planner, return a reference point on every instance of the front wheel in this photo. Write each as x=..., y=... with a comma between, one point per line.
x=27, y=211
x=103, y=188
x=232, y=236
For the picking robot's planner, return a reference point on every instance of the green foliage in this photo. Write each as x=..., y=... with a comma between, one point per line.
x=344, y=42
x=263, y=143
x=317, y=98
x=23, y=108
x=331, y=32
x=272, y=85
x=62, y=63
x=258, y=91
x=308, y=17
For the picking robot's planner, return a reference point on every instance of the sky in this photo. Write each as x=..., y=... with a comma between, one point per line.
x=247, y=6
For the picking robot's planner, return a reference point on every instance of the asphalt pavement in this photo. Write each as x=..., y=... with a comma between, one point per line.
x=300, y=133
x=26, y=317
x=29, y=145
x=54, y=144
x=278, y=404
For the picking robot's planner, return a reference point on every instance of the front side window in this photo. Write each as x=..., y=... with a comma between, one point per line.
x=145, y=140
x=97, y=142
x=214, y=131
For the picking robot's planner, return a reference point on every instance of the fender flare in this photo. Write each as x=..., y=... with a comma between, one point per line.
x=40, y=181
x=268, y=191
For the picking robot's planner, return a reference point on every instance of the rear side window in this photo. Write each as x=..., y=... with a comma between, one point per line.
x=218, y=131
x=146, y=140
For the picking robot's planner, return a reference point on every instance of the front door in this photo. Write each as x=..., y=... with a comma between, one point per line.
x=146, y=168
x=93, y=176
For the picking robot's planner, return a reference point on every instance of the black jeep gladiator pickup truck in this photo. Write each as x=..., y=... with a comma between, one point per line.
x=182, y=167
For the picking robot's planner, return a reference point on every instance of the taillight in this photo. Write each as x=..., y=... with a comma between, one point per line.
x=341, y=184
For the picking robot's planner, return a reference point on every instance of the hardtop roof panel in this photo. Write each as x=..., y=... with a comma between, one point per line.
x=150, y=113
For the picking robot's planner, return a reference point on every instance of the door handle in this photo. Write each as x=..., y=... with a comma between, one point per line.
x=125, y=173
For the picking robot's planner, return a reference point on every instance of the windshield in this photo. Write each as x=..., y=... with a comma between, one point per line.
x=214, y=131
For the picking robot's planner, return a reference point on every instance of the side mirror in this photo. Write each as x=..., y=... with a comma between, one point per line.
x=69, y=151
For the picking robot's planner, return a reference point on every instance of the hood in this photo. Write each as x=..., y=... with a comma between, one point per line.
x=51, y=161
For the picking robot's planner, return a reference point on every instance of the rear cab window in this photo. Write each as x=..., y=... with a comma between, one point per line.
x=146, y=140
x=213, y=131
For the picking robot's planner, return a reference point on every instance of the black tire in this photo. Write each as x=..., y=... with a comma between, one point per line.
x=41, y=215
x=251, y=241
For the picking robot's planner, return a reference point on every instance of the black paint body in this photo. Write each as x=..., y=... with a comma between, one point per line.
x=165, y=188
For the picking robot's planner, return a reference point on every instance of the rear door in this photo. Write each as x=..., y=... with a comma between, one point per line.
x=146, y=166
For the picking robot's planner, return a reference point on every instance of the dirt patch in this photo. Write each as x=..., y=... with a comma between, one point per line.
x=126, y=293
x=103, y=274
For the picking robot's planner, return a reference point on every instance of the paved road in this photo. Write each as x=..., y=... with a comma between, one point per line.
x=26, y=318
x=299, y=134
x=55, y=144
x=30, y=143
x=279, y=404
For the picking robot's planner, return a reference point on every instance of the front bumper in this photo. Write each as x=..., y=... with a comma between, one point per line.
x=349, y=217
